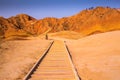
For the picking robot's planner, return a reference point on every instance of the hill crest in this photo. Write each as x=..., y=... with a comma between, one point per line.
x=87, y=22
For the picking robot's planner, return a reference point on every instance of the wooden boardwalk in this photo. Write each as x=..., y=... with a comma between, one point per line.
x=56, y=65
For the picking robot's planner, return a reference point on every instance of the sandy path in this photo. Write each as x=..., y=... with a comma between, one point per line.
x=97, y=57
x=17, y=57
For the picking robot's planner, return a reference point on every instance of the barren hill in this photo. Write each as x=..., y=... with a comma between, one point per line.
x=97, y=20
x=87, y=22
x=65, y=35
x=15, y=25
x=97, y=57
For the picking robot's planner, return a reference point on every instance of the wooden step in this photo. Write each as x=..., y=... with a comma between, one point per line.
x=56, y=65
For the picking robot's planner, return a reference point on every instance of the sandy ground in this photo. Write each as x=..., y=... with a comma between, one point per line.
x=18, y=56
x=97, y=57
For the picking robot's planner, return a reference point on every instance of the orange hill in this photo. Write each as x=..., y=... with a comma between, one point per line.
x=87, y=22
x=18, y=25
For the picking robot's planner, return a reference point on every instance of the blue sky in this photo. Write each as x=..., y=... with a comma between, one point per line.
x=50, y=8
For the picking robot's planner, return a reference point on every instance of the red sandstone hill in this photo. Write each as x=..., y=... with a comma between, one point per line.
x=87, y=22
x=96, y=20
x=16, y=25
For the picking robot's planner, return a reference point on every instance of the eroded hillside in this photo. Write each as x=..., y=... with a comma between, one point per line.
x=87, y=22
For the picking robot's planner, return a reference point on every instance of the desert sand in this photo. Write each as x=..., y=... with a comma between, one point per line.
x=97, y=57
x=18, y=56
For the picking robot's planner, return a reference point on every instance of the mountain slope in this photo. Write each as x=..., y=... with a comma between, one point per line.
x=87, y=22
x=96, y=20
x=16, y=25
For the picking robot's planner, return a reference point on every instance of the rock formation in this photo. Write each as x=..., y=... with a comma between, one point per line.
x=87, y=22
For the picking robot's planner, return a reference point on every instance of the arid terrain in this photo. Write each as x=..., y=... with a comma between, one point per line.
x=97, y=57
x=17, y=57
x=92, y=36
x=86, y=22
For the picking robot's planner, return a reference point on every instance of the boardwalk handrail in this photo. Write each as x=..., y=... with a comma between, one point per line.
x=77, y=77
x=37, y=63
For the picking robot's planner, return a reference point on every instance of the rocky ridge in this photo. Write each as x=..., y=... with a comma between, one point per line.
x=87, y=22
